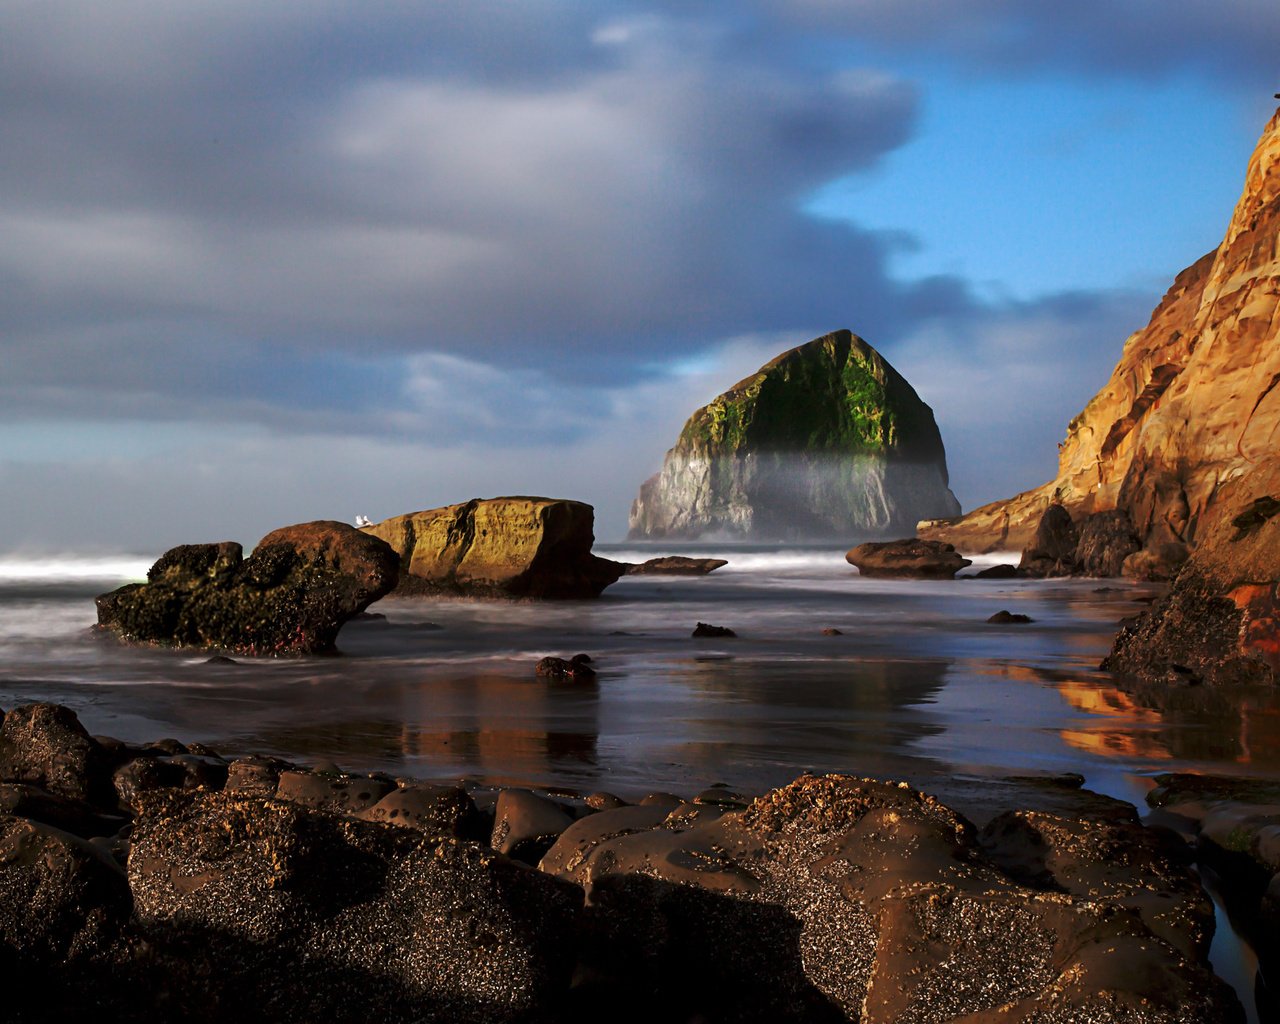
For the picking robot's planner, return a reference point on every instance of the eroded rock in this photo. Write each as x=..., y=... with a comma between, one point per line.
x=910, y=559
x=291, y=596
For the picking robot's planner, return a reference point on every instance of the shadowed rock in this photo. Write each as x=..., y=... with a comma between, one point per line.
x=907, y=559
x=676, y=565
x=291, y=596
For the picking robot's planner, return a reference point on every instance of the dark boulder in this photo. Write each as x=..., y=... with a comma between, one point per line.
x=1052, y=551
x=1106, y=540
x=292, y=595
x=910, y=558
x=433, y=810
x=706, y=630
x=526, y=824
x=292, y=915
x=575, y=670
x=1003, y=571
x=1008, y=618
x=62, y=904
x=45, y=745
x=676, y=565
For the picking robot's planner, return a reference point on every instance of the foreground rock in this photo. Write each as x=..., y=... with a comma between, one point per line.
x=291, y=596
x=499, y=547
x=1192, y=403
x=908, y=559
x=295, y=895
x=826, y=440
x=839, y=899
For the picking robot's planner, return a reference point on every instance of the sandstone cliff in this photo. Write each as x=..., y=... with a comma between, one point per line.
x=826, y=440
x=1192, y=406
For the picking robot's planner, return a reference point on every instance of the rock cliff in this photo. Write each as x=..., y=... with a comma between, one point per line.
x=826, y=440
x=1192, y=406
x=500, y=547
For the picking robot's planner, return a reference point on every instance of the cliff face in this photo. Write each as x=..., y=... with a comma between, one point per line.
x=1192, y=406
x=826, y=440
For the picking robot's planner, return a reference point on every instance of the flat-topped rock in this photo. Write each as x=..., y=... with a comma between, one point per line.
x=523, y=547
x=907, y=559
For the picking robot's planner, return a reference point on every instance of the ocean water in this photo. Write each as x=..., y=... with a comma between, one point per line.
x=916, y=685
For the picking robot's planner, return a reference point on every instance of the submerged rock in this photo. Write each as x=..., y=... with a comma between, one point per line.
x=500, y=547
x=291, y=596
x=910, y=558
x=824, y=441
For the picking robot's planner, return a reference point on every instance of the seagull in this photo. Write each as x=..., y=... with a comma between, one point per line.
x=363, y=521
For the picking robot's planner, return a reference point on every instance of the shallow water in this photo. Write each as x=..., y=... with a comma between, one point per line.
x=917, y=686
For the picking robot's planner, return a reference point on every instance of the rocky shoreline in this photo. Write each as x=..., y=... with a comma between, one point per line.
x=164, y=882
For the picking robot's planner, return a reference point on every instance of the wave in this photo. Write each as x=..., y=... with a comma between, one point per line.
x=70, y=568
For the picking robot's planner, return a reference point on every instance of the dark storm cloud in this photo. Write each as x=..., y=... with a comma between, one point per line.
x=535, y=184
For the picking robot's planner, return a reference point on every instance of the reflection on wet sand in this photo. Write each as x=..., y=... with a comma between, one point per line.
x=1163, y=722
x=501, y=729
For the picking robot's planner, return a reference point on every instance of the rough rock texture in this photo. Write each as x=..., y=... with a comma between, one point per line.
x=1107, y=539
x=326, y=918
x=1220, y=621
x=1192, y=406
x=842, y=899
x=824, y=441
x=291, y=596
x=1052, y=551
x=45, y=745
x=910, y=558
x=500, y=547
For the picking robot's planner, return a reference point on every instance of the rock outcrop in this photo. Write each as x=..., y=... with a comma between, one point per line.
x=266, y=892
x=1192, y=406
x=499, y=547
x=907, y=559
x=827, y=440
x=291, y=596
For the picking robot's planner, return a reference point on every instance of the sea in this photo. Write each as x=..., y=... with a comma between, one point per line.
x=828, y=672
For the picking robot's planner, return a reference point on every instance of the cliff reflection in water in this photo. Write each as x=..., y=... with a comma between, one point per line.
x=1161, y=722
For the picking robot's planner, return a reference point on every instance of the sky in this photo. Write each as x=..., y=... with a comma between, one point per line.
x=267, y=262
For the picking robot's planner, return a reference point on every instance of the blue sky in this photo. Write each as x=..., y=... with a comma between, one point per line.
x=263, y=262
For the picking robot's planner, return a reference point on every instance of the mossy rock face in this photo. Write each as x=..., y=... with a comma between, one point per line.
x=827, y=439
x=291, y=596
x=509, y=547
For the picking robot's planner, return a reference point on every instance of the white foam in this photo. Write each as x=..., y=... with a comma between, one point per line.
x=72, y=568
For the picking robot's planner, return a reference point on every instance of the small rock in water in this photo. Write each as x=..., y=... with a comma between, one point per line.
x=832, y=631
x=705, y=629
x=1005, y=618
x=221, y=659
x=1004, y=571
x=575, y=670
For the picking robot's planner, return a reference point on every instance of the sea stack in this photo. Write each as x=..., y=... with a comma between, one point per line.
x=827, y=440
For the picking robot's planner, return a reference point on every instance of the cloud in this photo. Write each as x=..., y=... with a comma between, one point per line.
x=1232, y=41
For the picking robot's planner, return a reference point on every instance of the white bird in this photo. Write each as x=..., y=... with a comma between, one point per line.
x=363, y=521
